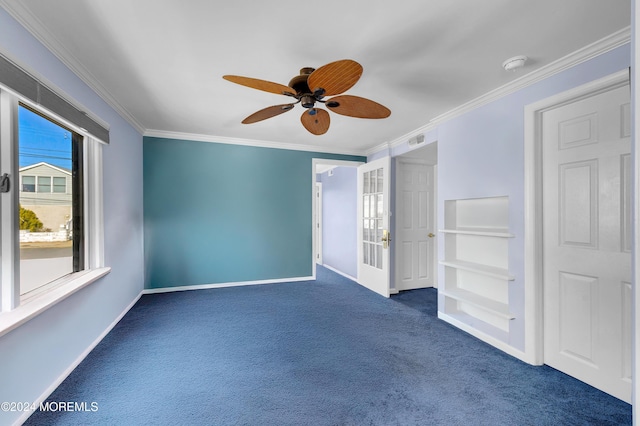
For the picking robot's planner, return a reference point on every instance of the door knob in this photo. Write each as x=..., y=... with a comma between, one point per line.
x=431, y=235
x=386, y=238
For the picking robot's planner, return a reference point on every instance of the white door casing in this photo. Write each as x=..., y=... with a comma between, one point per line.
x=415, y=225
x=315, y=163
x=318, y=224
x=635, y=129
x=373, y=226
x=587, y=240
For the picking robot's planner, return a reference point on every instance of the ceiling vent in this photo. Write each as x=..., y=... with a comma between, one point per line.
x=416, y=140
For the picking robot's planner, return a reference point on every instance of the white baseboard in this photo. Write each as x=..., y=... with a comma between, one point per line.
x=77, y=362
x=498, y=344
x=354, y=279
x=224, y=285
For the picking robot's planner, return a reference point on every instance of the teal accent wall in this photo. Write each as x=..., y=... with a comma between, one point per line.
x=221, y=213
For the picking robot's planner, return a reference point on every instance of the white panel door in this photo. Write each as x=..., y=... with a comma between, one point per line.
x=415, y=242
x=373, y=226
x=587, y=246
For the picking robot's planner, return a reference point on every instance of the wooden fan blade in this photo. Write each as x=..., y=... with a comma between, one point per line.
x=336, y=77
x=355, y=106
x=268, y=112
x=264, y=85
x=318, y=123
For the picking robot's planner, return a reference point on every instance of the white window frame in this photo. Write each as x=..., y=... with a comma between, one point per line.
x=14, y=309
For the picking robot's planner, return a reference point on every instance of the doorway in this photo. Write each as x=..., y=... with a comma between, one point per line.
x=415, y=248
x=334, y=215
x=579, y=233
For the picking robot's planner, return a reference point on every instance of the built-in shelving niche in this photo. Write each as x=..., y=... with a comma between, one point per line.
x=476, y=265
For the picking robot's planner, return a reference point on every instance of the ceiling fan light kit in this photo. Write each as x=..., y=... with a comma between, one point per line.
x=310, y=87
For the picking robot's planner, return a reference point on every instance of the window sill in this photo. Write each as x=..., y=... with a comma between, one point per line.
x=34, y=305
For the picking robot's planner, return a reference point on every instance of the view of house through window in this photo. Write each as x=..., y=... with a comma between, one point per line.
x=48, y=156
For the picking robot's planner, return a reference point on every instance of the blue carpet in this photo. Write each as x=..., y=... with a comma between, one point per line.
x=325, y=352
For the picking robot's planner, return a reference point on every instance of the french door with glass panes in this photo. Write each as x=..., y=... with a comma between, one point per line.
x=373, y=226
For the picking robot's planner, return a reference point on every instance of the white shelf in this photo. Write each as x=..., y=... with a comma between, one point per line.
x=492, y=306
x=475, y=291
x=483, y=232
x=478, y=268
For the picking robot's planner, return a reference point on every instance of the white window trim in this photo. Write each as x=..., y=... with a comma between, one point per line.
x=15, y=310
x=9, y=261
x=57, y=292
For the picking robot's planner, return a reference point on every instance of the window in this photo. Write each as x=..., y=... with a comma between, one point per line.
x=51, y=217
x=60, y=185
x=28, y=184
x=51, y=231
x=44, y=184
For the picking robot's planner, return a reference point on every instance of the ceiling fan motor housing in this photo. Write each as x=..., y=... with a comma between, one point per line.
x=299, y=82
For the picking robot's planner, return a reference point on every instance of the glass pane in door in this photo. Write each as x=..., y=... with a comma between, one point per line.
x=372, y=215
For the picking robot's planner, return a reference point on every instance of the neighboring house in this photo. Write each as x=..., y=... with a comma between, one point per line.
x=46, y=190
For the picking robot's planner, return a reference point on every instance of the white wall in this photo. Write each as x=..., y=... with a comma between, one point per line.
x=36, y=355
x=340, y=220
x=481, y=154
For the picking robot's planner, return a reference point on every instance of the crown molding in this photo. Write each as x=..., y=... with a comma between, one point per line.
x=249, y=142
x=22, y=14
x=377, y=148
x=420, y=130
x=590, y=51
x=610, y=42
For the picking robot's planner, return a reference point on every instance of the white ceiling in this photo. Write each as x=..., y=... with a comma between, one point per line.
x=160, y=62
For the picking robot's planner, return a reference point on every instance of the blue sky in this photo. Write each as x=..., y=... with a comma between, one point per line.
x=42, y=140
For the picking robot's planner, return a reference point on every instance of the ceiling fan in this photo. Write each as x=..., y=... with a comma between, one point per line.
x=310, y=88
